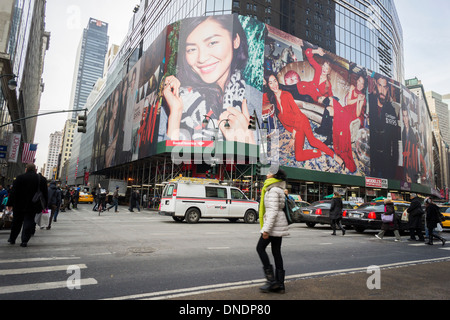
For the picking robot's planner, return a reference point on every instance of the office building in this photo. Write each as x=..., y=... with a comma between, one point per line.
x=23, y=45
x=89, y=63
x=54, y=150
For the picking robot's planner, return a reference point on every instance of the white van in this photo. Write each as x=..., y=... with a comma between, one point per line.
x=192, y=199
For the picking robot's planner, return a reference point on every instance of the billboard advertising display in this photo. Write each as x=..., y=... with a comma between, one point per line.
x=203, y=78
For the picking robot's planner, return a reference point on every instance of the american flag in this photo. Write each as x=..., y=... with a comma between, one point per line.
x=29, y=152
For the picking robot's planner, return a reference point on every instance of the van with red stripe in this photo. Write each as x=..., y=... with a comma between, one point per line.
x=192, y=199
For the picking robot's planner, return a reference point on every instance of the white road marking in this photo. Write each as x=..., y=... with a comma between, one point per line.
x=43, y=286
x=8, y=272
x=163, y=295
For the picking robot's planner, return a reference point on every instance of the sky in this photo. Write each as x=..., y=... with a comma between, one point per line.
x=426, y=35
x=426, y=42
x=65, y=20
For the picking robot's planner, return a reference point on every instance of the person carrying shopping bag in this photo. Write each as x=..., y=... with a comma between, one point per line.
x=390, y=221
x=274, y=226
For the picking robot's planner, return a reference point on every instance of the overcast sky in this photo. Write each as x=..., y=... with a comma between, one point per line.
x=426, y=35
x=66, y=19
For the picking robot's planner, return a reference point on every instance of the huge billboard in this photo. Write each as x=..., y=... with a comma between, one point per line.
x=203, y=78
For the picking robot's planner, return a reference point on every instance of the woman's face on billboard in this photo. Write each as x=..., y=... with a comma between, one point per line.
x=209, y=52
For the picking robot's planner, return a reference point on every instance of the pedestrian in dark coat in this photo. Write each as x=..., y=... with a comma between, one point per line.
x=21, y=202
x=415, y=224
x=53, y=201
x=336, y=213
x=389, y=210
x=432, y=218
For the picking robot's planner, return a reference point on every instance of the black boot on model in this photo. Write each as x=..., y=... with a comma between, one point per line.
x=268, y=272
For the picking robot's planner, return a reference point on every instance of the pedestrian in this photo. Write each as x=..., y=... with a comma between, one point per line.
x=432, y=218
x=3, y=194
x=52, y=203
x=21, y=202
x=134, y=201
x=101, y=199
x=67, y=199
x=391, y=223
x=274, y=227
x=336, y=213
x=58, y=202
x=415, y=224
x=115, y=199
x=75, y=197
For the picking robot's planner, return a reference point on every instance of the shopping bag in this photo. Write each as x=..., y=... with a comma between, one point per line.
x=405, y=215
x=43, y=219
x=438, y=228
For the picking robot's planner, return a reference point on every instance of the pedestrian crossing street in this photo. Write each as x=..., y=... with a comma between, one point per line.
x=30, y=270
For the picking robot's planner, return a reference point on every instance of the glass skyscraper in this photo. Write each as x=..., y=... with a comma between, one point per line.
x=89, y=63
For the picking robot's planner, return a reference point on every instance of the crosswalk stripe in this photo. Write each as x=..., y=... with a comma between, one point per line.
x=40, y=269
x=37, y=259
x=43, y=286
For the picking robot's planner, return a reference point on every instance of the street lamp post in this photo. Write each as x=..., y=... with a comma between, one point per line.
x=12, y=83
x=216, y=129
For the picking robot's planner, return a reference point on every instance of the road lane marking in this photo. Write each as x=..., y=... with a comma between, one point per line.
x=43, y=286
x=169, y=294
x=38, y=259
x=8, y=272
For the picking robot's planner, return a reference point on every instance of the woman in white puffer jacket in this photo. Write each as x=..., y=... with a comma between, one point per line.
x=274, y=227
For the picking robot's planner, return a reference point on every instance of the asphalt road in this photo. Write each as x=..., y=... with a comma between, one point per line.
x=131, y=256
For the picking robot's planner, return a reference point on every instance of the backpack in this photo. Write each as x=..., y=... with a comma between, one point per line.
x=289, y=209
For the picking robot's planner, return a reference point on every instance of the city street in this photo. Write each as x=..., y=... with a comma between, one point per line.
x=143, y=255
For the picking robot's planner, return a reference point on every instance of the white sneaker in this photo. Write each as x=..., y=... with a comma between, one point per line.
x=378, y=237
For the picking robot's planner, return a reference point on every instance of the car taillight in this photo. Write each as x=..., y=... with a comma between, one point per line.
x=344, y=214
x=174, y=193
x=319, y=212
x=372, y=215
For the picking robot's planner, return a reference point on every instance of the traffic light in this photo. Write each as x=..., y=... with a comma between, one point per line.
x=252, y=124
x=82, y=121
x=258, y=167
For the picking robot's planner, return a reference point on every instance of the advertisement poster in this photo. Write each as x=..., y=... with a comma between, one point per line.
x=203, y=79
x=218, y=77
x=317, y=102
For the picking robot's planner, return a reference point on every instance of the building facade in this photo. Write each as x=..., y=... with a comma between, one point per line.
x=134, y=135
x=54, y=150
x=23, y=45
x=89, y=63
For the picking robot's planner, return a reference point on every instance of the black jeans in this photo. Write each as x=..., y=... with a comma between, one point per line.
x=338, y=223
x=276, y=251
x=27, y=221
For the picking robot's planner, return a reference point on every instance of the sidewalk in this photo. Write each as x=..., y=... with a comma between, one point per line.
x=428, y=281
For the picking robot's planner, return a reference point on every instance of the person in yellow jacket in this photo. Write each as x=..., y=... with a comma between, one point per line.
x=274, y=226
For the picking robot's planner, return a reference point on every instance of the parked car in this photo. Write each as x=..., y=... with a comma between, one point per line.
x=297, y=217
x=368, y=216
x=319, y=212
x=445, y=210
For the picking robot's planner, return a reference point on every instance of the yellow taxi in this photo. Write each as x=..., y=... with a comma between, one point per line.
x=445, y=210
x=85, y=197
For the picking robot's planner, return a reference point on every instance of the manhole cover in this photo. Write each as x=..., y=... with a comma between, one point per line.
x=141, y=250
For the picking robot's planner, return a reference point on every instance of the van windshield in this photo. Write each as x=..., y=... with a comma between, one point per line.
x=168, y=191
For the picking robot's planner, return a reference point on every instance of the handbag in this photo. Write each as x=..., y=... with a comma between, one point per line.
x=288, y=210
x=38, y=196
x=387, y=218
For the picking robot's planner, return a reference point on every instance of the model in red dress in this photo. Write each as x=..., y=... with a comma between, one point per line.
x=343, y=117
x=296, y=122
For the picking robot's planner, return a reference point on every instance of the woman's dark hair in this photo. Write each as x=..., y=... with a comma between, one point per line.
x=211, y=93
x=270, y=94
x=280, y=175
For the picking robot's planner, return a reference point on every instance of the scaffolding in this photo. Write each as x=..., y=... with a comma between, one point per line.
x=150, y=175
